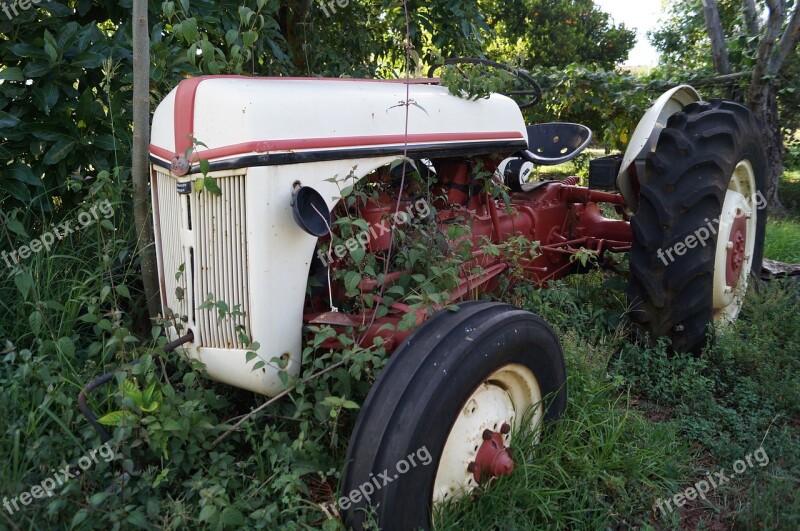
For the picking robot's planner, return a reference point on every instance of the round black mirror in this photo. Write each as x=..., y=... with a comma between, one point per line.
x=310, y=211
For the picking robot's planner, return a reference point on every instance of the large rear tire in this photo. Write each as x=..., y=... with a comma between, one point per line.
x=459, y=374
x=699, y=229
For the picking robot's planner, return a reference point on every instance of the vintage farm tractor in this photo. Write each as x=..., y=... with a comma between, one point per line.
x=287, y=154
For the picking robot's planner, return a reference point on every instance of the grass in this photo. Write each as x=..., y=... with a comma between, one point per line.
x=782, y=241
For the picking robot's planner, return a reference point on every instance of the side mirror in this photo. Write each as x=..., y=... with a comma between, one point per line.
x=310, y=211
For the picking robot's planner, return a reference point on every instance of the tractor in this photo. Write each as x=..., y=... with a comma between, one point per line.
x=315, y=174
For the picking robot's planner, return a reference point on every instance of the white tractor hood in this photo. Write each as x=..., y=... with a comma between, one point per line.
x=249, y=121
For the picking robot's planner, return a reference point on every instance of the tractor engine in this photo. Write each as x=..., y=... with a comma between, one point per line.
x=424, y=198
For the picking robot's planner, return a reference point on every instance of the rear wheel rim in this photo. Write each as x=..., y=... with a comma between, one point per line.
x=507, y=395
x=735, y=244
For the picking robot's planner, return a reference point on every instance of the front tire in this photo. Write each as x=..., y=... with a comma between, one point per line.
x=459, y=374
x=699, y=230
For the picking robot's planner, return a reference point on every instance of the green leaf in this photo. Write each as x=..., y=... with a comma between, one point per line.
x=106, y=142
x=231, y=36
x=189, y=27
x=211, y=186
x=23, y=173
x=58, y=151
x=79, y=518
x=233, y=517
x=208, y=513
x=149, y=407
x=351, y=281
x=19, y=191
x=249, y=38
x=408, y=322
x=8, y=120
x=27, y=50
x=87, y=60
x=161, y=477
x=66, y=346
x=24, y=283
x=35, y=321
x=37, y=69
x=283, y=376
x=118, y=418
x=130, y=389
x=45, y=97
x=11, y=73
x=16, y=227
x=172, y=425
x=168, y=8
x=98, y=498
x=122, y=290
x=50, y=45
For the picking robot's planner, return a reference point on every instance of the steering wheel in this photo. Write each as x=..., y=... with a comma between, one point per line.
x=535, y=91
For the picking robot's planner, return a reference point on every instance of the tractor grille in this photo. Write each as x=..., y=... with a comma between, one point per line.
x=174, y=270
x=207, y=233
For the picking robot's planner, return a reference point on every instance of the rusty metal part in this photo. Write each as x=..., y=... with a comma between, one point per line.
x=493, y=458
x=737, y=248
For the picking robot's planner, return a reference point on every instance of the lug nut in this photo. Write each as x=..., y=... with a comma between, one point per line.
x=729, y=246
x=487, y=434
x=505, y=428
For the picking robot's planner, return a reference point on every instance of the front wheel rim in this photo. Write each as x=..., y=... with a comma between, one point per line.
x=736, y=241
x=505, y=396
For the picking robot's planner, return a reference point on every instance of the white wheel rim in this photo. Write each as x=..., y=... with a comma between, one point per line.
x=740, y=201
x=506, y=396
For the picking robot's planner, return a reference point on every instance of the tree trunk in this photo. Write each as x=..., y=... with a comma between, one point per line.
x=751, y=17
x=140, y=171
x=764, y=104
x=291, y=15
x=719, y=48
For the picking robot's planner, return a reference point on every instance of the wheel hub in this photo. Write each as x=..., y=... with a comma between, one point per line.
x=493, y=459
x=475, y=449
x=737, y=248
x=735, y=244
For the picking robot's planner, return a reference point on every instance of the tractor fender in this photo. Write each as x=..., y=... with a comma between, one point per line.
x=645, y=137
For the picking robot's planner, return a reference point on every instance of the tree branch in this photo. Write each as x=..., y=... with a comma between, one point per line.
x=765, y=49
x=788, y=41
x=751, y=17
x=719, y=49
x=140, y=168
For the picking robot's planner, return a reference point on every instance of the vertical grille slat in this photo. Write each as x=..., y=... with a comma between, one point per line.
x=172, y=250
x=224, y=259
x=219, y=229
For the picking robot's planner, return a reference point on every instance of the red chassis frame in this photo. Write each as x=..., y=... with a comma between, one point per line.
x=562, y=216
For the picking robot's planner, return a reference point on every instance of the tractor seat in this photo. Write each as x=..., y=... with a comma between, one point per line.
x=556, y=142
